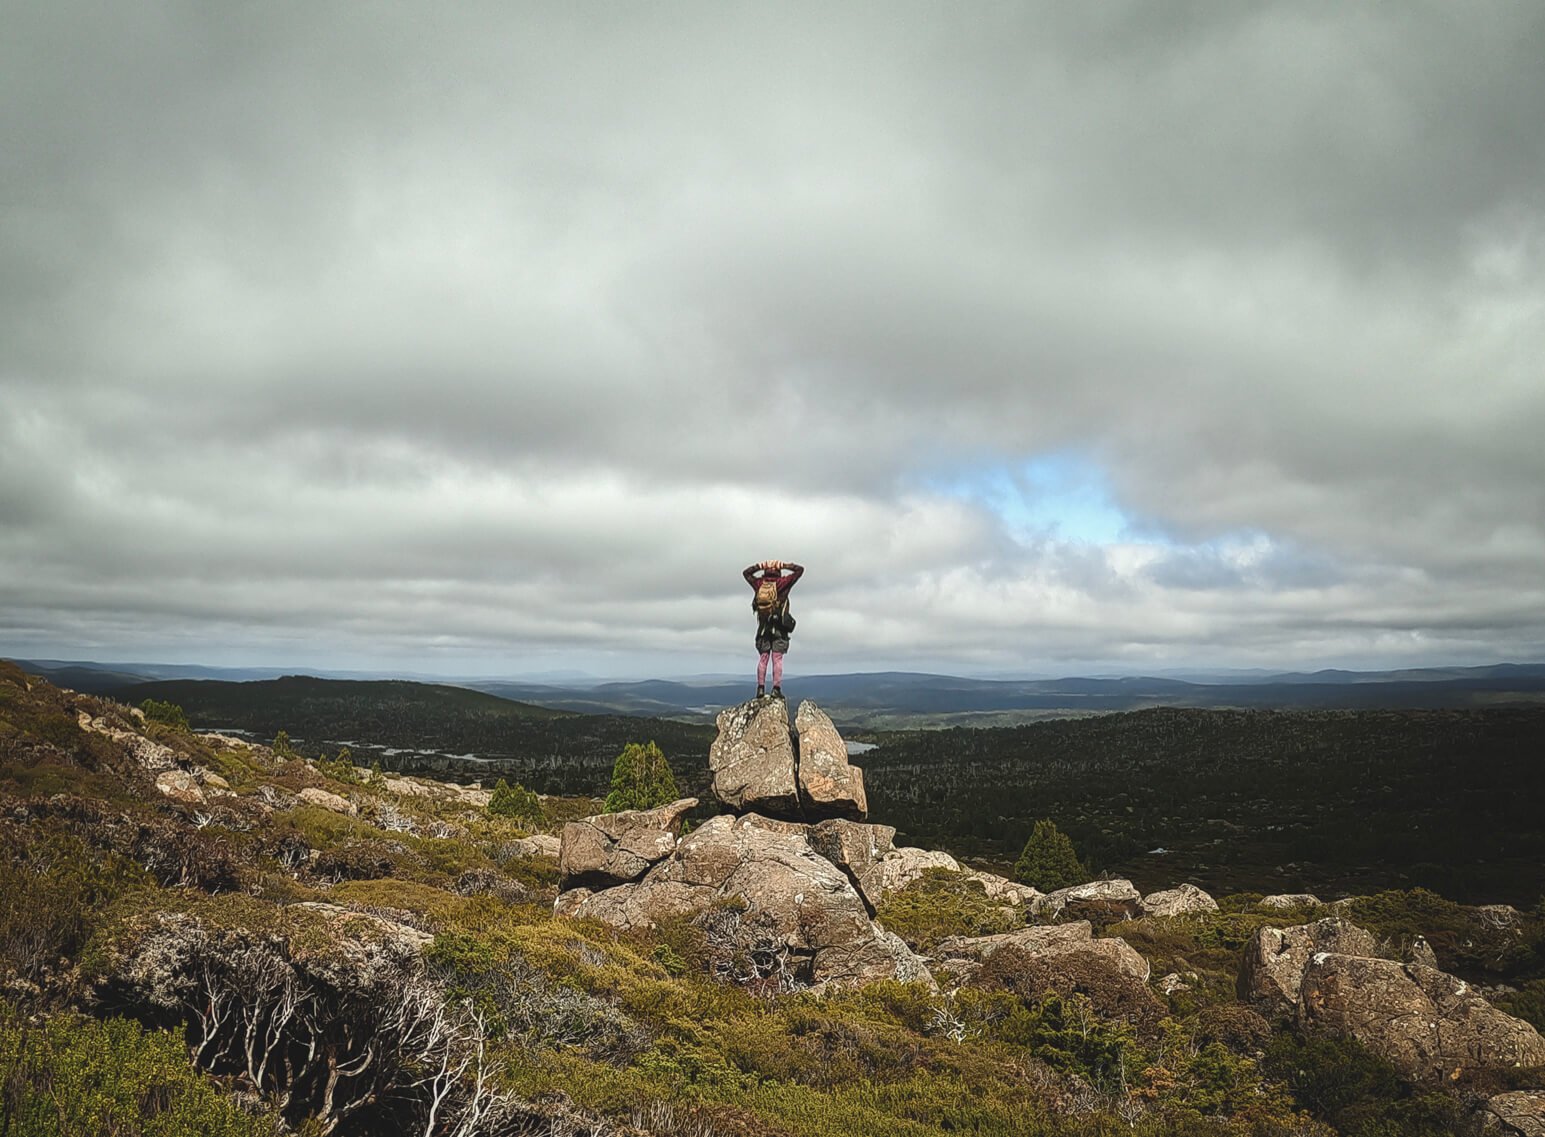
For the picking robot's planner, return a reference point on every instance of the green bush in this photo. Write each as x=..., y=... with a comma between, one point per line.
x=641, y=779
x=941, y=903
x=1048, y=861
x=168, y=713
x=74, y=1075
x=517, y=803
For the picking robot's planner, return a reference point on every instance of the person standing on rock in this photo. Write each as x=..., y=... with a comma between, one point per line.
x=771, y=581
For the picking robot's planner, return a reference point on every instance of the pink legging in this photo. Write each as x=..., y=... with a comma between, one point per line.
x=761, y=668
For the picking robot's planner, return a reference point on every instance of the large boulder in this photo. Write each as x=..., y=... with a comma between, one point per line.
x=1428, y=1024
x=1281, y=900
x=1102, y=901
x=614, y=848
x=1180, y=901
x=829, y=786
x=752, y=759
x=798, y=901
x=1272, y=972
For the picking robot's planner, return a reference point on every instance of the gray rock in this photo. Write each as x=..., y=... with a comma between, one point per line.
x=180, y=786
x=1179, y=901
x=1007, y=891
x=1289, y=900
x=1103, y=901
x=1517, y=1114
x=829, y=786
x=752, y=759
x=614, y=848
x=311, y=795
x=899, y=868
x=1428, y=1024
x=1273, y=968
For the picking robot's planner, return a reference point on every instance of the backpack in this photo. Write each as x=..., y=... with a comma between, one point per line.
x=771, y=608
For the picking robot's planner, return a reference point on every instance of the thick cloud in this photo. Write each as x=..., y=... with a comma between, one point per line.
x=470, y=337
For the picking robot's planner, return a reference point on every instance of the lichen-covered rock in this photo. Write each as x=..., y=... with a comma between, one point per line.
x=1273, y=968
x=775, y=878
x=1428, y=1024
x=1065, y=959
x=614, y=848
x=829, y=785
x=1289, y=900
x=1103, y=901
x=898, y=868
x=151, y=755
x=311, y=795
x=1036, y=939
x=1179, y=901
x=179, y=785
x=852, y=845
x=752, y=759
x=537, y=845
x=1520, y=1113
x=1007, y=891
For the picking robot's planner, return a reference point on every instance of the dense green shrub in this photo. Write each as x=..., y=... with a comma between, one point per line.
x=1048, y=860
x=941, y=903
x=75, y=1075
x=641, y=779
x=517, y=803
x=167, y=713
x=1339, y=1081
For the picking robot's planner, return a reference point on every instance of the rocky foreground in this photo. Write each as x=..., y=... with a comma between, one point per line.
x=342, y=952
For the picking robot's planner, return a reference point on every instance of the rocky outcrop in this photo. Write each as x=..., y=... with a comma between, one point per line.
x=752, y=759
x=829, y=786
x=1428, y=1024
x=1517, y=1114
x=759, y=765
x=180, y=786
x=537, y=845
x=1102, y=901
x=796, y=899
x=1179, y=901
x=615, y=848
x=1273, y=969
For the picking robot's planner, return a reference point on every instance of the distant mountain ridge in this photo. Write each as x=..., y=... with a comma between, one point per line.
x=900, y=698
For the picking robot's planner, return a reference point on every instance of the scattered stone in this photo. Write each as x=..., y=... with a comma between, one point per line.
x=752, y=759
x=1107, y=971
x=1179, y=901
x=1430, y=1025
x=211, y=779
x=152, y=756
x=615, y=848
x=1173, y=983
x=180, y=786
x=1272, y=972
x=311, y=795
x=1289, y=900
x=1102, y=901
x=537, y=845
x=829, y=786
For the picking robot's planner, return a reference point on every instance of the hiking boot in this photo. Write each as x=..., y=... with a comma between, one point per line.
x=760, y=690
x=777, y=692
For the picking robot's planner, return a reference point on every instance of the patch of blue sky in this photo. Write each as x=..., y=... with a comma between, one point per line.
x=1061, y=496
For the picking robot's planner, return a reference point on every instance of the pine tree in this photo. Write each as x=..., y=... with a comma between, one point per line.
x=1049, y=861
x=516, y=802
x=641, y=779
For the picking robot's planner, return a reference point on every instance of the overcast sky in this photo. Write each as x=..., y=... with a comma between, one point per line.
x=494, y=338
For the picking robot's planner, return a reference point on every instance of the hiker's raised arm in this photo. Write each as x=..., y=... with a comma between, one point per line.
x=794, y=573
x=750, y=573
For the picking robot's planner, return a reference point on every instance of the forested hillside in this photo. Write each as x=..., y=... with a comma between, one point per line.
x=1263, y=800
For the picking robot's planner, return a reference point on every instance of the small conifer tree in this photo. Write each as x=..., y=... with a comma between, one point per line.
x=641, y=779
x=164, y=712
x=1049, y=861
x=516, y=802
